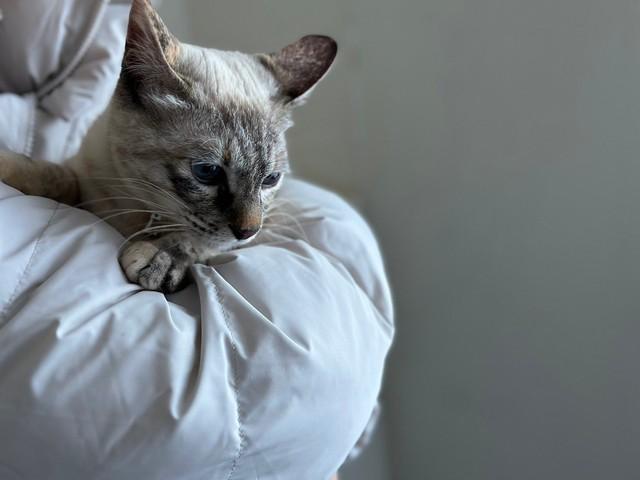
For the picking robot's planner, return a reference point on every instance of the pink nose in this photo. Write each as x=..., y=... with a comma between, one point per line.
x=242, y=233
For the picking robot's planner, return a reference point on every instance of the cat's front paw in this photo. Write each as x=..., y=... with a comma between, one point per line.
x=154, y=268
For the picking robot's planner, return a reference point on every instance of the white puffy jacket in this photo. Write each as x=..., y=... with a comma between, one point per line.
x=59, y=63
x=267, y=368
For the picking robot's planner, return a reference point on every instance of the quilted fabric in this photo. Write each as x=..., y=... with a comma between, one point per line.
x=267, y=367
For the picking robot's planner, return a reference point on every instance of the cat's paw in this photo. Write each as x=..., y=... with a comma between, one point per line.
x=153, y=268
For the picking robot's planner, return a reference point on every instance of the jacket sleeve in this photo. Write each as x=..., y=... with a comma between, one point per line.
x=17, y=118
x=268, y=366
x=51, y=126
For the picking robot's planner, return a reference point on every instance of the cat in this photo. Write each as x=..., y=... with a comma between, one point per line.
x=189, y=154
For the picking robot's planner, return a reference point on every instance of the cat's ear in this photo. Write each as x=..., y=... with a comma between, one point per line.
x=151, y=50
x=300, y=66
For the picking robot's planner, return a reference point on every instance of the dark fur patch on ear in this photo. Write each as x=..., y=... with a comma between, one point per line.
x=299, y=66
x=148, y=37
x=151, y=52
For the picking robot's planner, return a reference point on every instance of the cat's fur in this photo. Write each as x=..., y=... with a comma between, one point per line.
x=176, y=104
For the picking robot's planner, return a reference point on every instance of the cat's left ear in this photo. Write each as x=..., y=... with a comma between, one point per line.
x=300, y=66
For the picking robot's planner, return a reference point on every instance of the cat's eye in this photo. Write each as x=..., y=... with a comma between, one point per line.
x=208, y=173
x=271, y=180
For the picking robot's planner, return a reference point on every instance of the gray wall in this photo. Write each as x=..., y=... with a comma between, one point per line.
x=493, y=144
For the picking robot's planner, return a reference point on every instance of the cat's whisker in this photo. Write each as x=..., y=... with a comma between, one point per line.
x=174, y=209
x=120, y=212
x=279, y=226
x=168, y=209
x=145, y=189
x=146, y=183
x=280, y=201
x=277, y=210
x=282, y=230
x=139, y=183
x=120, y=197
x=133, y=210
x=277, y=205
x=271, y=220
x=176, y=227
x=289, y=231
x=282, y=213
x=274, y=237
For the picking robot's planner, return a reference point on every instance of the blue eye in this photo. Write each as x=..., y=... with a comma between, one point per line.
x=271, y=180
x=208, y=173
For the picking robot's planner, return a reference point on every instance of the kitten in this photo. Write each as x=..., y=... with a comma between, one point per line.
x=190, y=152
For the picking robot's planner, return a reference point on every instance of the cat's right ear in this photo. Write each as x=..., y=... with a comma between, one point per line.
x=299, y=67
x=151, y=51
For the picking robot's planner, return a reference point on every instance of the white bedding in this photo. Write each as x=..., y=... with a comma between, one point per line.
x=267, y=368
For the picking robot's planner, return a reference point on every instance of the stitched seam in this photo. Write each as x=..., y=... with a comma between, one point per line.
x=29, y=140
x=27, y=269
x=236, y=358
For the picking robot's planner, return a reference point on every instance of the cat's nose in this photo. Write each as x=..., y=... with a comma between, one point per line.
x=242, y=232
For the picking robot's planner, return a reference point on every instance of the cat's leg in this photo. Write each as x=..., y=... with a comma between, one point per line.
x=161, y=264
x=36, y=177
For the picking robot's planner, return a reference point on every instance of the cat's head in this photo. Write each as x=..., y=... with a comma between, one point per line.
x=206, y=126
